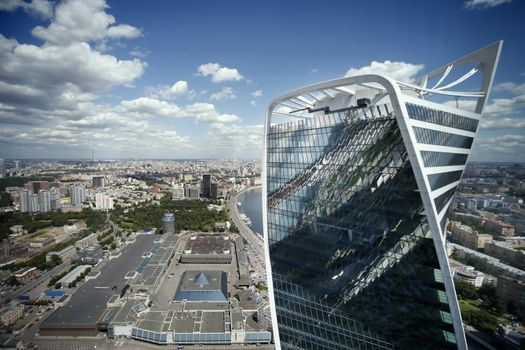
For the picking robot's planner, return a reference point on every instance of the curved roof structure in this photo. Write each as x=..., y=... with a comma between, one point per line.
x=359, y=174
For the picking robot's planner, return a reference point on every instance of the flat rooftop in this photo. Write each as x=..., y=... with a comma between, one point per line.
x=208, y=244
x=90, y=300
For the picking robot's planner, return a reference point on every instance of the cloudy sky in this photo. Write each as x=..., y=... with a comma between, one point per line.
x=192, y=79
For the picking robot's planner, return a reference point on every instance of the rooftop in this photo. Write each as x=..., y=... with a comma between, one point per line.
x=202, y=286
x=208, y=244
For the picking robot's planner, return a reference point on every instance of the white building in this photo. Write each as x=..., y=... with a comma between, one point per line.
x=77, y=194
x=103, y=201
x=44, y=200
x=178, y=191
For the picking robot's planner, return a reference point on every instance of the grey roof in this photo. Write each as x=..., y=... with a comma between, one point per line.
x=90, y=301
x=208, y=244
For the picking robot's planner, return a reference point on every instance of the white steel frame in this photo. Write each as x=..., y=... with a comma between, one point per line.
x=323, y=94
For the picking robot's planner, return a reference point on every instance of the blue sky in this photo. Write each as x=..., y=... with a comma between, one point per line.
x=192, y=79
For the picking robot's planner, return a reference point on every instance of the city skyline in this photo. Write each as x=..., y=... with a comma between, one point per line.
x=187, y=81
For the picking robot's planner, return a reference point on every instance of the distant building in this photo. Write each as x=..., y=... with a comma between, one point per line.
x=54, y=193
x=77, y=194
x=213, y=190
x=467, y=237
x=202, y=286
x=506, y=253
x=65, y=254
x=25, y=274
x=86, y=241
x=501, y=227
x=90, y=255
x=98, y=181
x=44, y=200
x=2, y=168
x=10, y=313
x=23, y=196
x=192, y=192
x=467, y=274
x=168, y=223
x=34, y=203
x=511, y=289
x=207, y=249
x=206, y=186
x=103, y=201
x=42, y=244
x=178, y=192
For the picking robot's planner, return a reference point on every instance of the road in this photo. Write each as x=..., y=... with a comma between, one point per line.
x=255, y=241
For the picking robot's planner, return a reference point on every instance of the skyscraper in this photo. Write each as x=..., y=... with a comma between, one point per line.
x=2, y=168
x=359, y=175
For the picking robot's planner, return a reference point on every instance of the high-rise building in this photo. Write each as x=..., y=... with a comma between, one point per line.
x=44, y=200
x=103, y=201
x=359, y=175
x=213, y=190
x=23, y=196
x=77, y=194
x=206, y=186
x=55, y=198
x=2, y=168
x=178, y=191
x=168, y=223
x=34, y=203
x=98, y=181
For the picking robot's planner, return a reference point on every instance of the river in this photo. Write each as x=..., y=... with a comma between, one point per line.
x=251, y=205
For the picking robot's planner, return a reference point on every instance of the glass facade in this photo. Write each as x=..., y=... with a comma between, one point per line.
x=353, y=262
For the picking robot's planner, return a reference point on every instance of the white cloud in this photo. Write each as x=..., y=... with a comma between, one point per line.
x=226, y=93
x=150, y=107
x=314, y=70
x=510, y=87
x=256, y=93
x=482, y=4
x=147, y=106
x=253, y=103
x=402, y=71
x=84, y=21
x=167, y=92
x=219, y=73
x=511, y=146
x=41, y=8
x=57, y=77
x=206, y=112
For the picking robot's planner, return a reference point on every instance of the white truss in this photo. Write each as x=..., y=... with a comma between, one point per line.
x=342, y=93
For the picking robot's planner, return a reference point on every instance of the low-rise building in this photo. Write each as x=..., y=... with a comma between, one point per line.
x=467, y=237
x=506, y=253
x=25, y=274
x=10, y=313
x=90, y=255
x=511, y=289
x=72, y=275
x=65, y=254
x=467, y=274
x=42, y=244
x=86, y=241
x=501, y=227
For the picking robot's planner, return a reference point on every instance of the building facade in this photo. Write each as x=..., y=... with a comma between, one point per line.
x=359, y=174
